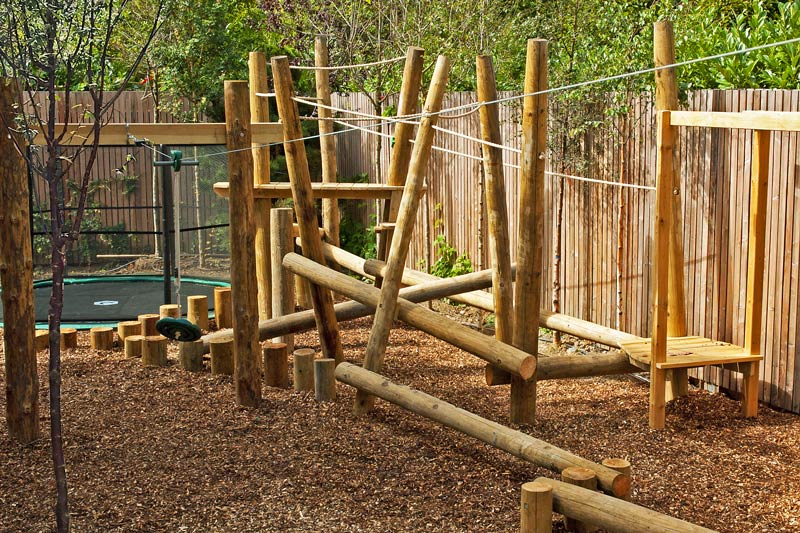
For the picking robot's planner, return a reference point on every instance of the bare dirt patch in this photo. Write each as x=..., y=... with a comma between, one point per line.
x=163, y=449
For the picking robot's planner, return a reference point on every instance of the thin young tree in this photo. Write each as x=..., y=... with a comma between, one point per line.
x=57, y=47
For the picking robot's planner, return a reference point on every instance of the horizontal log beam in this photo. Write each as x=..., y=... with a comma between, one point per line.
x=487, y=348
x=582, y=366
x=304, y=320
x=612, y=514
x=748, y=120
x=512, y=441
x=342, y=191
x=181, y=134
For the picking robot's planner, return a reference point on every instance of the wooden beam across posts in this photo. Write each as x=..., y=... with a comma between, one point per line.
x=530, y=236
x=327, y=141
x=661, y=236
x=16, y=276
x=753, y=120
x=119, y=134
x=489, y=349
x=516, y=443
x=259, y=112
x=612, y=514
x=497, y=211
x=343, y=191
x=299, y=176
x=247, y=364
x=304, y=320
x=401, y=151
x=667, y=99
x=387, y=308
x=759, y=192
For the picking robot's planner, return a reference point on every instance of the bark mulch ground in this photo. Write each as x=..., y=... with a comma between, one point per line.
x=167, y=450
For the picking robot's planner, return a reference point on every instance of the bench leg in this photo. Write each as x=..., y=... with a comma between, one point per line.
x=750, y=391
x=677, y=383
x=658, y=413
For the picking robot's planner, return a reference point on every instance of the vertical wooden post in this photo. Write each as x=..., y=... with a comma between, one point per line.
x=282, y=243
x=759, y=192
x=530, y=236
x=191, y=356
x=244, y=289
x=661, y=235
x=497, y=211
x=299, y=176
x=667, y=99
x=16, y=277
x=259, y=112
x=387, y=307
x=327, y=142
x=536, y=508
x=403, y=132
x=582, y=477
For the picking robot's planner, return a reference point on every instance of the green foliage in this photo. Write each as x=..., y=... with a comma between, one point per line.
x=357, y=238
x=450, y=263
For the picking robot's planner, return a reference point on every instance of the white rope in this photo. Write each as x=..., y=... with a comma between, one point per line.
x=460, y=115
x=387, y=120
x=602, y=182
x=345, y=67
x=477, y=140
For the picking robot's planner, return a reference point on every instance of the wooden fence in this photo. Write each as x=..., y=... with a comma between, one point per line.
x=714, y=166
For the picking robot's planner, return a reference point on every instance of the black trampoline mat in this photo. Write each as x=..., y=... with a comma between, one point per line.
x=115, y=298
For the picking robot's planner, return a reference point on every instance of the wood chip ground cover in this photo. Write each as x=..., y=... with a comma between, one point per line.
x=167, y=450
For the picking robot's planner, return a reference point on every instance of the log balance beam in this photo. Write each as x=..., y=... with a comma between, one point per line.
x=612, y=514
x=489, y=349
x=304, y=320
x=515, y=442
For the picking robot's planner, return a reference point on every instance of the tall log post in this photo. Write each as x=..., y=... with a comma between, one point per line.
x=667, y=99
x=403, y=132
x=530, y=236
x=387, y=308
x=244, y=288
x=497, y=212
x=536, y=508
x=515, y=442
x=327, y=142
x=259, y=112
x=16, y=277
x=282, y=243
x=299, y=176
x=662, y=223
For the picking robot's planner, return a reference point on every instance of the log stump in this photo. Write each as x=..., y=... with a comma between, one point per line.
x=42, y=339
x=223, y=307
x=148, y=324
x=221, y=356
x=101, y=338
x=582, y=477
x=191, y=356
x=197, y=311
x=276, y=364
x=134, y=345
x=536, y=508
x=303, y=370
x=324, y=380
x=169, y=311
x=69, y=338
x=128, y=328
x=154, y=352
x=620, y=465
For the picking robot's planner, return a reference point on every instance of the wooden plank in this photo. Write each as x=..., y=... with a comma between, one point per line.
x=753, y=120
x=116, y=134
x=352, y=191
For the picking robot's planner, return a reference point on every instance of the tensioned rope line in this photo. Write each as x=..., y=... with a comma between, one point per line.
x=345, y=67
x=511, y=165
x=390, y=120
x=476, y=105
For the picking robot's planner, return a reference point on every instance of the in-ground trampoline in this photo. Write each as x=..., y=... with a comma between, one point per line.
x=107, y=300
